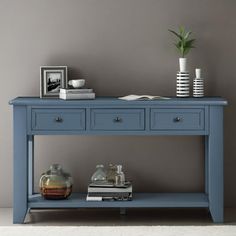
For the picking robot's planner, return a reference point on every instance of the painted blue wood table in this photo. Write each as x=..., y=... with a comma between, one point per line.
x=111, y=116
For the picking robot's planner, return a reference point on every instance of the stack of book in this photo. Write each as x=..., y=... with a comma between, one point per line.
x=82, y=93
x=109, y=192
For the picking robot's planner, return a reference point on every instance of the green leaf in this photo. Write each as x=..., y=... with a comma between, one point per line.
x=186, y=51
x=181, y=30
x=184, y=44
x=189, y=43
x=187, y=35
x=176, y=34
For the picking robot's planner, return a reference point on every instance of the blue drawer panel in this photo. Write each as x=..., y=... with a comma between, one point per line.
x=58, y=119
x=177, y=119
x=117, y=119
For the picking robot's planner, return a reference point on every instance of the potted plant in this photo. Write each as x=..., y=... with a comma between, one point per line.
x=183, y=44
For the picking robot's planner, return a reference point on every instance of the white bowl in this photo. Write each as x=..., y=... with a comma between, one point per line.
x=77, y=83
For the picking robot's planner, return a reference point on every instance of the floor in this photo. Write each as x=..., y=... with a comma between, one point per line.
x=109, y=217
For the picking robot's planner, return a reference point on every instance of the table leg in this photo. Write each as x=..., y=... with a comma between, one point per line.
x=30, y=165
x=20, y=164
x=215, y=164
x=206, y=142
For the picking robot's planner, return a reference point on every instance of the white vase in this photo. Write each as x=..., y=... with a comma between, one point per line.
x=198, y=84
x=182, y=84
x=183, y=64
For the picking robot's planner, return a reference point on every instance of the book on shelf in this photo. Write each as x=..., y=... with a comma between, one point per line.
x=84, y=90
x=74, y=96
x=134, y=97
x=96, y=193
x=93, y=198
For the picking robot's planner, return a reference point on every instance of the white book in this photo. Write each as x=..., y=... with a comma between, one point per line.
x=76, y=90
x=93, y=198
x=110, y=190
x=74, y=96
x=133, y=97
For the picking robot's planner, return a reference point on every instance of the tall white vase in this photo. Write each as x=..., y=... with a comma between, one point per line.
x=183, y=64
x=182, y=82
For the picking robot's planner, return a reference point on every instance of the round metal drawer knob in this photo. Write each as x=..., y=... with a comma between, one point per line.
x=117, y=119
x=58, y=119
x=177, y=119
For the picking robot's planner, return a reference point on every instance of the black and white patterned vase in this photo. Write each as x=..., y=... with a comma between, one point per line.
x=198, y=84
x=182, y=84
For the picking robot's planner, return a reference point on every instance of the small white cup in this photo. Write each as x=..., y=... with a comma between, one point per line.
x=77, y=83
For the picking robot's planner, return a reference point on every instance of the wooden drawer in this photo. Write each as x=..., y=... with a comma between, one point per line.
x=58, y=119
x=177, y=119
x=117, y=119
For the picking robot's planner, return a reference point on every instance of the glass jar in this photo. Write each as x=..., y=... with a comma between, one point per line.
x=120, y=176
x=111, y=173
x=99, y=176
x=55, y=183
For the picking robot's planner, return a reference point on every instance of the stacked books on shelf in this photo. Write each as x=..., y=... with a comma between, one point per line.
x=82, y=93
x=109, y=184
x=101, y=192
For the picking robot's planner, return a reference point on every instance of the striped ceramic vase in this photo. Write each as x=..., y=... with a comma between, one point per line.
x=198, y=84
x=182, y=84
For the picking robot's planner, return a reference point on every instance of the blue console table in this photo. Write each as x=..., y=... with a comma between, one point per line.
x=176, y=116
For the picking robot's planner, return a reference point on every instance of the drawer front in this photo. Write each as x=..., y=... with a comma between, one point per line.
x=117, y=119
x=58, y=119
x=177, y=119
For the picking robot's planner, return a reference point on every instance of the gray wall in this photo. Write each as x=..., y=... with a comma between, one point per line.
x=119, y=47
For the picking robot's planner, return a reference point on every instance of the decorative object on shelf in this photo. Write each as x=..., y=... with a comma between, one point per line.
x=99, y=176
x=111, y=173
x=55, y=183
x=76, y=94
x=100, y=193
x=76, y=83
x=109, y=185
x=120, y=176
x=182, y=84
x=52, y=78
x=184, y=45
x=198, y=84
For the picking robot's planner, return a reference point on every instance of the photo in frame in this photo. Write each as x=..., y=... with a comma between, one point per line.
x=52, y=78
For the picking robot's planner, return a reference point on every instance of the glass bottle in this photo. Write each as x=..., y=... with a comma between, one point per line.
x=111, y=173
x=120, y=176
x=55, y=183
x=99, y=175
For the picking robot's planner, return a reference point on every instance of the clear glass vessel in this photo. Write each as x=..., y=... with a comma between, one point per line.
x=120, y=176
x=99, y=175
x=111, y=173
x=55, y=183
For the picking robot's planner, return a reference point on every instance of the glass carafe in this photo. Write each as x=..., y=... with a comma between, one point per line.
x=99, y=176
x=55, y=183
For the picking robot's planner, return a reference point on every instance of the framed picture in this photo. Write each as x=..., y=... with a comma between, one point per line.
x=52, y=78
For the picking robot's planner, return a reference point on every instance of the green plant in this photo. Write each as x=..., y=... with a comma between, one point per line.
x=184, y=43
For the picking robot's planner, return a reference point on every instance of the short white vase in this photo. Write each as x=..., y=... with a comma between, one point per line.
x=183, y=64
x=198, y=84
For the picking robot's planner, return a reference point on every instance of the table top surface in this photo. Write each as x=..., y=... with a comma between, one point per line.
x=30, y=101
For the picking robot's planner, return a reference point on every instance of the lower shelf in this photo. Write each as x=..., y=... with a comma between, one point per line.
x=140, y=200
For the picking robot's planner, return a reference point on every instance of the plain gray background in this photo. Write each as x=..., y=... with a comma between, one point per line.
x=120, y=47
